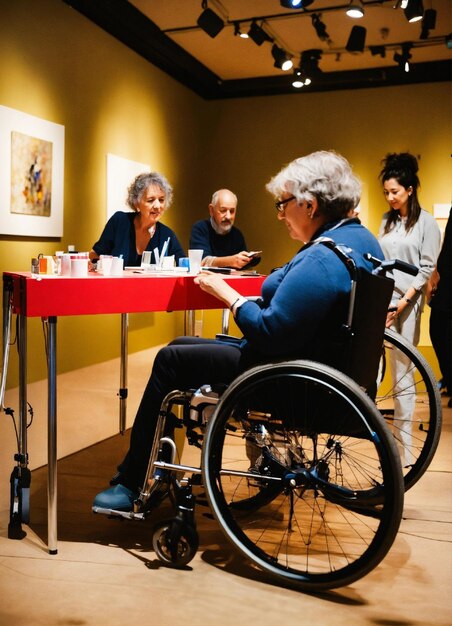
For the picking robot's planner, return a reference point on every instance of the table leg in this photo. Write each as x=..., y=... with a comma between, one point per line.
x=52, y=439
x=190, y=323
x=123, y=391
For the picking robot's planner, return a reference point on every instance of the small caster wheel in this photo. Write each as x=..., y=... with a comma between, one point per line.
x=174, y=543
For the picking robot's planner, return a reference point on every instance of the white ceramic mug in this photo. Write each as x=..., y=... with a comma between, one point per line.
x=195, y=258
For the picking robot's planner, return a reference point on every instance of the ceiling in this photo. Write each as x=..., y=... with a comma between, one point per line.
x=166, y=33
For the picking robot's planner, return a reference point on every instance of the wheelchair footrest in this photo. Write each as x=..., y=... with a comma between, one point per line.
x=114, y=513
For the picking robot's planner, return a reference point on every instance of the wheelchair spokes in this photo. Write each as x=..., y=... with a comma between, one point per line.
x=325, y=496
x=409, y=400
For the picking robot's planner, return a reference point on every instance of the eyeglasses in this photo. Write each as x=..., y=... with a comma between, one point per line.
x=281, y=204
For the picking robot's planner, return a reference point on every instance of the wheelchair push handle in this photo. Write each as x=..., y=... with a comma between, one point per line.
x=381, y=267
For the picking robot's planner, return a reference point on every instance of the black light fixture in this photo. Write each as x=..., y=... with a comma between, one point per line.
x=355, y=9
x=428, y=23
x=414, y=11
x=309, y=62
x=356, y=39
x=381, y=50
x=320, y=27
x=258, y=34
x=300, y=78
x=295, y=4
x=209, y=21
x=238, y=31
x=282, y=59
x=404, y=57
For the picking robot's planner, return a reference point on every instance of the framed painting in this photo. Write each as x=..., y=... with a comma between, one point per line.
x=31, y=175
x=120, y=173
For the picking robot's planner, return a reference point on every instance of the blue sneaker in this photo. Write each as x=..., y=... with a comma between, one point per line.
x=117, y=498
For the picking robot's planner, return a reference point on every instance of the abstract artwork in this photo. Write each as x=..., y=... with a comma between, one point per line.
x=31, y=176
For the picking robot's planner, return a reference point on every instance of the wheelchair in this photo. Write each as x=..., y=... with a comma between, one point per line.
x=300, y=469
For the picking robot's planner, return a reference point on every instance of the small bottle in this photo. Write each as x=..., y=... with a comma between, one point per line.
x=35, y=266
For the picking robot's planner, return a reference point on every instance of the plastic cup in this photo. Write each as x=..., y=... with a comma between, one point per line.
x=146, y=258
x=66, y=265
x=106, y=264
x=184, y=262
x=117, y=266
x=195, y=258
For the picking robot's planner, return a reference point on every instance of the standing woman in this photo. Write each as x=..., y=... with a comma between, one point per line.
x=411, y=234
x=130, y=234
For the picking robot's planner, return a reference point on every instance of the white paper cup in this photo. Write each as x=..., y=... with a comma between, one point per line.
x=106, y=263
x=168, y=262
x=195, y=258
x=79, y=267
x=117, y=266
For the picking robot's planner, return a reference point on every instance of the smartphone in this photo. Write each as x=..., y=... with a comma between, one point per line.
x=217, y=270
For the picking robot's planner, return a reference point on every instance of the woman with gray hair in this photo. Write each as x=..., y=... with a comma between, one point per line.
x=300, y=314
x=130, y=234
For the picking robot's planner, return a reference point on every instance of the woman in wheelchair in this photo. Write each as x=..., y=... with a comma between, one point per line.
x=302, y=307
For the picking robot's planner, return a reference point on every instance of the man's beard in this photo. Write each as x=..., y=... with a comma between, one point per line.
x=220, y=229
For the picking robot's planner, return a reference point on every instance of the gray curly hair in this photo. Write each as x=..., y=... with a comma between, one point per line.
x=139, y=185
x=323, y=175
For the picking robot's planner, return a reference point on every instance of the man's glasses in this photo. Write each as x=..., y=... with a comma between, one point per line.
x=281, y=204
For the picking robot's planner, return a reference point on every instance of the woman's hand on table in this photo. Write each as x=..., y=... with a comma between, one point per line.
x=217, y=286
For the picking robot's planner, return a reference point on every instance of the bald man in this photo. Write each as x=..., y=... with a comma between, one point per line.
x=223, y=244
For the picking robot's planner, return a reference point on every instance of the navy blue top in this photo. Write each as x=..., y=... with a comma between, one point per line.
x=118, y=237
x=442, y=299
x=203, y=237
x=304, y=303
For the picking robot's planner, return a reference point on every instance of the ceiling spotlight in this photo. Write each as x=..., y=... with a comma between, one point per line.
x=282, y=59
x=258, y=34
x=403, y=59
x=355, y=9
x=428, y=23
x=356, y=39
x=210, y=22
x=414, y=11
x=300, y=78
x=309, y=62
x=319, y=26
x=238, y=31
x=295, y=4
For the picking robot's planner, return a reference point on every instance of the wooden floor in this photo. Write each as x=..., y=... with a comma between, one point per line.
x=105, y=571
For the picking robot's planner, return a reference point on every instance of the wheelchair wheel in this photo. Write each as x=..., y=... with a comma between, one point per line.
x=410, y=404
x=174, y=543
x=331, y=489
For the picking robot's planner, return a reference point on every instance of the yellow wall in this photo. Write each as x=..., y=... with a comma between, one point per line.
x=59, y=66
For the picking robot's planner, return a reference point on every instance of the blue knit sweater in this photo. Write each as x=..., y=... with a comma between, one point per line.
x=304, y=303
